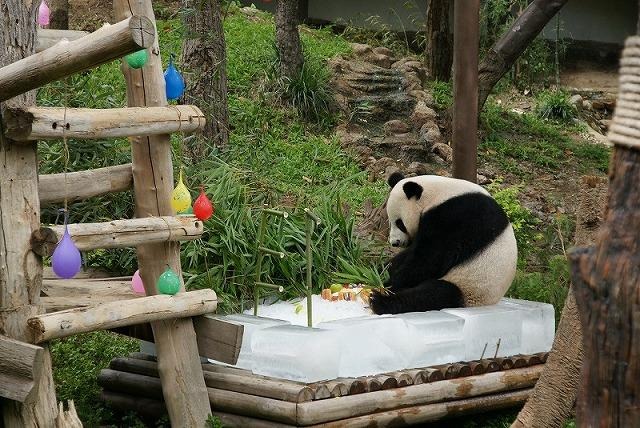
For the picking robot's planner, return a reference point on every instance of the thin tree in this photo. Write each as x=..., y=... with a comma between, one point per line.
x=288, y=42
x=204, y=62
x=501, y=57
x=439, y=40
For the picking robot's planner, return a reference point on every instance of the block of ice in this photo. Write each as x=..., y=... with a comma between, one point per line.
x=497, y=327
x=251, y=325
x=296, y=353
x=436, y=337
x=372, y=344
x=538, y=324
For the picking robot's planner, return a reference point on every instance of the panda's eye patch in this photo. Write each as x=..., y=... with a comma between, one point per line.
x=400, y=225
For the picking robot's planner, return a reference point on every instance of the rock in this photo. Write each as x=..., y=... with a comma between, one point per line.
x=380, y=166
x=587, y=105
x=422, y=114
x=363, y=153
x=443, y=151
x=396, y=126
x=381, y=50
x=422, y=95
x=417, y=168
x=412, y=82
x=360, y=49
x=379, y=60
x=482, y=180
x=430, y=134
x=576, y=100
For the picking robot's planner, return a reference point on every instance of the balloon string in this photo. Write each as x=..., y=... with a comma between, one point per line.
x=66, y=159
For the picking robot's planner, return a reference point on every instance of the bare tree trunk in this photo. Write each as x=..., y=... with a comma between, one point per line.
x=501, y=57
x=59, y=14
x=288, y=38
x=555, y=393
x=20, y=268
x=204, y=62
x=439, y=48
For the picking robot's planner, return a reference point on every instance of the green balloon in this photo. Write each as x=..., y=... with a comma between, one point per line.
x=169, y=282
x=137, y=59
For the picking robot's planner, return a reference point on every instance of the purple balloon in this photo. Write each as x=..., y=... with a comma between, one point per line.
x=66, y=260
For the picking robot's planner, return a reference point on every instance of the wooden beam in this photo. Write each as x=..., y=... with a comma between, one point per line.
x=20, y=366
x=322, y=411
x=63, y=294
x=84, y=184
x=119, y=233
x=122, y=313
x=48, y=37
x=107, y=43
x=180, y=371
x=217, y=339
x=40, y=123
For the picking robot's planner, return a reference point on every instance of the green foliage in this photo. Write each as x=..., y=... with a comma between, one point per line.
x=376, y=32
x=517, y=140
x=76, y=363
x=442, y=94
x=523, y=221
x=555, y=105
x=214, y=422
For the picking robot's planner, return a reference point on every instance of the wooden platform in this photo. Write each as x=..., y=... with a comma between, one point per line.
x=243, y=399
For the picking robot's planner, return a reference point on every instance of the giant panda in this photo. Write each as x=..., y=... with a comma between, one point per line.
x=460, y=249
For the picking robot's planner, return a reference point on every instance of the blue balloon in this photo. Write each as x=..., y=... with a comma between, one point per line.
x=173, y=81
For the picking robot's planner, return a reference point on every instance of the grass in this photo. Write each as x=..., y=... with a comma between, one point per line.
x=555, y=105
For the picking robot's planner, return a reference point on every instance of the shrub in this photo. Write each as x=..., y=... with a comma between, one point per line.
x=555, y=105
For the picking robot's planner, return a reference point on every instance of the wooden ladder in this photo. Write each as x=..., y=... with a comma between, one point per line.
x=26, y=385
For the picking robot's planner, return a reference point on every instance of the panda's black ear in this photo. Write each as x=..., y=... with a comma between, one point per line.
x=394, y=178
x=412, y=189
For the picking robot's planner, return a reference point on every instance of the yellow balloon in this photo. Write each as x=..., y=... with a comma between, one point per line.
x=181, y=198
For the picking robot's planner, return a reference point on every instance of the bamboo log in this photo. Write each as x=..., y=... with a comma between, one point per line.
x=130, y=383
x=230, y=420
x=322, y=411
x=122, y=313
x=180, y=370
x=119, y=233
x=320, y=391
x=84, y=184
x=20, y=365
x=381, y=382
x=107, y=43
x=41, y=123
x=47, y=37
x=431, y=412
x=258, y=407
x=337, y=388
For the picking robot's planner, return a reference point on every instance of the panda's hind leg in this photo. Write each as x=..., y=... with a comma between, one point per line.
x=430, y=295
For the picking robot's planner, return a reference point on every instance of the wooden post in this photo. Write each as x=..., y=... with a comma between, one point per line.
x=63, y=59
x=178, y=362
x=84, y=184
x=40, y=123
x=466, y=41
x=19, y=368
x=122, y=313
x=119, y=233
x=20, y=269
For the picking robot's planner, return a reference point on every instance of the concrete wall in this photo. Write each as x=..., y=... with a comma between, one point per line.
x=605, y=21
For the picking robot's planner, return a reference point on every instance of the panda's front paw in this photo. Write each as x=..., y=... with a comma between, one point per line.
x=382, y=302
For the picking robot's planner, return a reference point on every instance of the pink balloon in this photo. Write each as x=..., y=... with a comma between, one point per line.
x=43, y=14
x=136, y=284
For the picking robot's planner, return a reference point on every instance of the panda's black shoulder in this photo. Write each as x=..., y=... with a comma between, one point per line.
x=471, y=221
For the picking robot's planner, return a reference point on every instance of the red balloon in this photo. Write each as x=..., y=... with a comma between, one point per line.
x=202, y=207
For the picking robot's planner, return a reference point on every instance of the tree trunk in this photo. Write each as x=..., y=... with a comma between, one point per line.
x=288, y=39
x=501, y=57
x=204, y=62
x=59, y=14
x=555, y=393
x=20, y=268
x=607, y=275
x=439, y=48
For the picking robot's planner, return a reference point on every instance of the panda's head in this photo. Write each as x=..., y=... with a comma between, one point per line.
x=403, y=209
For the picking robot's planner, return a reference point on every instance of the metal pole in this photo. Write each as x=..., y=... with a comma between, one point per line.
x=466, y=39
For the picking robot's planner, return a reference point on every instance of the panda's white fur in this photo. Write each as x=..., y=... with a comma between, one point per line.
x=484, y=278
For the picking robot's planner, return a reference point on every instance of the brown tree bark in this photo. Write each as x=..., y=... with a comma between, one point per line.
x=439, y=42
x=607, y=286
x=501, y=57
x=288, y=39
x=59, y=14
x=555, y=393
x=204, y=61
x=20, y=268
